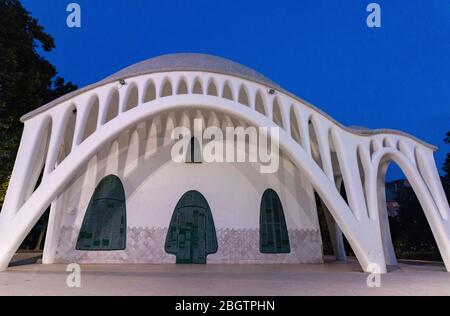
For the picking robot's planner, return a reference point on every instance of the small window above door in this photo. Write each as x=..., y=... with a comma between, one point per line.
x=194, y=152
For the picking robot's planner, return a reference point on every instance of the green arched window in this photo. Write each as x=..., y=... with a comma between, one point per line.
x=273, y=233
x=104, y=224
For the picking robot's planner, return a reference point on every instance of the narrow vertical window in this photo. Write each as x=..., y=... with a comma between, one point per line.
x=194, y=153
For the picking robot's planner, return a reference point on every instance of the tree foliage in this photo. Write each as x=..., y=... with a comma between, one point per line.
x=446, y=167
x=27, y=80
x=411, y=233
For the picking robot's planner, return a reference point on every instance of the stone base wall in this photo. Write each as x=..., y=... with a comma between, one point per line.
x=146, y=245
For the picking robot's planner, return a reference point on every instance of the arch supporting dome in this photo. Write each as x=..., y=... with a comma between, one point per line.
x=134, y=142
x=169, y=63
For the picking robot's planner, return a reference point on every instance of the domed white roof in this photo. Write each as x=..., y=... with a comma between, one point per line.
x=191, y=62
x=167, y=63
x=205, y=63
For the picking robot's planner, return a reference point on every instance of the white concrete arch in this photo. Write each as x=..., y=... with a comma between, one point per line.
x=227, y=91
x=69, y=123
x=110, y=108
x=166, y=88
x=61, y=141
x=260, y=103
x=348, y=164
x=32, y=209
x=382, y=213
x=87, y=114
x=375, y=145
x=437, y=221
x=36, y=140
x=47, y=138
x=212, y=87
x=149, y=92
x=182, y=86
x=243, y=95
x=315, y=141
x=197, y=86
x=131, y=98
x=295, y=126
x=277, y=113
x=406, y=149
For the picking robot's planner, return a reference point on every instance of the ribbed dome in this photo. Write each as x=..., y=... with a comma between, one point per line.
x=166, y=63
x=205, y=63
x=191, y=62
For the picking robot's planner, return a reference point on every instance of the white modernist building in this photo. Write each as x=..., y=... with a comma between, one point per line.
x=100, y=158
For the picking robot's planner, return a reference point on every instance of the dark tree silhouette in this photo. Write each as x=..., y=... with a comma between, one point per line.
x=411, y=233
x=446, y=168
x=27, y=80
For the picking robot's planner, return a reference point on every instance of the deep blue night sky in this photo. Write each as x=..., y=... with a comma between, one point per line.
x=397, y=76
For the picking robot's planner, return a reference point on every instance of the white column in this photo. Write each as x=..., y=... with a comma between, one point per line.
x=83, y=110
x=53, y=231
x=59, y=122
x=389, y=251
x=347, y=156
x=27, y=155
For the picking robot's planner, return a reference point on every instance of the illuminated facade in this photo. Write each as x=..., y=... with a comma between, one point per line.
x=117, y=196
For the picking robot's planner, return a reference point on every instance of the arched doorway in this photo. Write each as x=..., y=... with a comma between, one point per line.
x=104, y=224
x=192, y=234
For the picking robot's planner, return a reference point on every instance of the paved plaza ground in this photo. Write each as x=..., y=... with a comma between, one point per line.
x=331, y=278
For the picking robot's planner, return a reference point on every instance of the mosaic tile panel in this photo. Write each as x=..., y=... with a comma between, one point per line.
x=146, y=245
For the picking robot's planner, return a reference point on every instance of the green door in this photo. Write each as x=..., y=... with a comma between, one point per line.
x=192, y=235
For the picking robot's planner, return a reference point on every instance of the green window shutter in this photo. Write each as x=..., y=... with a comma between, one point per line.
x=104, y=224
x=273, y=233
